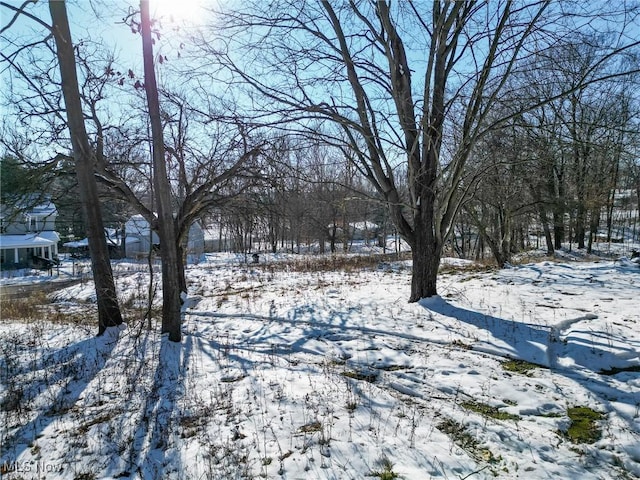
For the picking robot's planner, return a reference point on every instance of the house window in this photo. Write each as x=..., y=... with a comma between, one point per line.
x=33, y=224
x=3, y=227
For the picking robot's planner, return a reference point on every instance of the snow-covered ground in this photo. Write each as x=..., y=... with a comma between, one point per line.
x=333, y=375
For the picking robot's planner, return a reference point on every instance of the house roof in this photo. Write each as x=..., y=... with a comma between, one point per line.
x=29, y=240
x=42, y=210
x=137, y=225
x=113, y=242
x=50, y=235
x=77, y=243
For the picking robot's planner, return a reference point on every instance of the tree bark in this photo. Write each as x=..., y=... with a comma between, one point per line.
x=166, y=228
x=84, y=159
x=547, y=231
x=426, y=261
x=580, y=230
x=542, y=216
x=183, y=247
x=557, y=192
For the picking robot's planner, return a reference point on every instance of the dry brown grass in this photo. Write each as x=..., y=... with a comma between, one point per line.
x=25, y=308
x=479, y=266
x=37, y=306
x=331, y=263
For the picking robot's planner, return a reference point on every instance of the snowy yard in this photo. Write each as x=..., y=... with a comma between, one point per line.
x=333, y=375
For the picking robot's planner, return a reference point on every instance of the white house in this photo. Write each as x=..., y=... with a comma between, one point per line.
x=140, y=238
x=195, y=242
x=27, y=237
x=114, y=242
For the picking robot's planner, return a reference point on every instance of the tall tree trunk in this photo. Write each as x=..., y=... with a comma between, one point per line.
x=581, y=165
x=558, y=228
x=426, y=261
x=581, y=230
x=611, y=193
x=637, y=174
x=594, y=224
x=183, y=251
x=547, y=231
x=166, y=229
x=543, y=217
x=426, y=250
x=332, y=239
x=108, y=309
x=507, y=239
x=556, y=191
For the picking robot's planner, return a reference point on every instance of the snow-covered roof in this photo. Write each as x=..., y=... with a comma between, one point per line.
x=111, y=241
x=29, y=240
x=137, y=225
x=77, y=243
x=50, y=235
x=43, y=210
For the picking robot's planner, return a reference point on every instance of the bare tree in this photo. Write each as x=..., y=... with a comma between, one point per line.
x=405, y=84
x=576, y=141
x=198, y=177
x=204, y=171
x=501, y=204
x=84, y=156
x=43, y=102
x=171, y=323
x=464, y=52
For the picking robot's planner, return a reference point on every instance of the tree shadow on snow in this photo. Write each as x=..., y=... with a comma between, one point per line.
x=575, y=353
x=152, y=448
x=69, y=371
x=333, y=329
x=317, y=331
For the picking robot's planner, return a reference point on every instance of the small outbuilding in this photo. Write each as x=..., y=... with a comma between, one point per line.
x=140, y=238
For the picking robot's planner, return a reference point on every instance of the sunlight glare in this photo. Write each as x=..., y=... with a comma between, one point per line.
x=181, y=11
